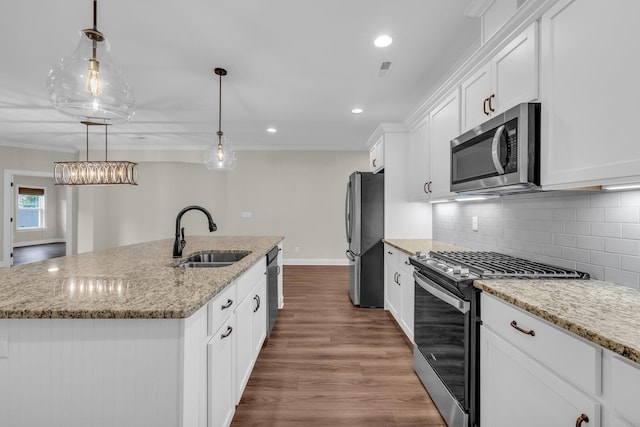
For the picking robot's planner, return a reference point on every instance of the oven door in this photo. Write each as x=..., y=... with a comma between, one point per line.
x=442, y=336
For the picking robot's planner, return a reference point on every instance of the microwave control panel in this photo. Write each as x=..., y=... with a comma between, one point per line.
x=511, y=141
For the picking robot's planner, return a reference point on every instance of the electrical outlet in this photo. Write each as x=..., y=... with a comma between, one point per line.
x=297, y=249
x=474, y=223
x=246, y=214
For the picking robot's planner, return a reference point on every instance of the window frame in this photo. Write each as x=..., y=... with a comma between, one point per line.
x=42, y=216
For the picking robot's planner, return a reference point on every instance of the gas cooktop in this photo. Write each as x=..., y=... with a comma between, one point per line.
x=471, y=265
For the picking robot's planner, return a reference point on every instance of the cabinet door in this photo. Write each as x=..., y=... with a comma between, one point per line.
x=419, y=176
x=391, y=286
x=589, y=91
x=514, y=72
x=516, y=390
x=476, y=90
x=407, y=295
x=376, y=156
x=445, y=125
x=259, y=322
x=244, y=352
x=221, y=403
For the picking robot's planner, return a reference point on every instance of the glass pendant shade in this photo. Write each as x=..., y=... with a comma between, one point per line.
x=220, y=156
x=87, y=85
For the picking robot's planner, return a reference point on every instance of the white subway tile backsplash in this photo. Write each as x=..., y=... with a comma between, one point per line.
x=606, y=229
x=590, y=242
x=621, y=246
x=598, y=233
x=577, y=228
x=626, y=214
x=590, y=214
x=631, y=231
x=605, y=259
x=621, y=277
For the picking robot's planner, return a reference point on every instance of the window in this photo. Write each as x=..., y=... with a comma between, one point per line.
x=31, y=203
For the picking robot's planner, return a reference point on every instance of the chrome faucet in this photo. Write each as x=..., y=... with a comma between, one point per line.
x=179, y=243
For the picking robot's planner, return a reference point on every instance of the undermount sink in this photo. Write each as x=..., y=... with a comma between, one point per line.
x=212, y=259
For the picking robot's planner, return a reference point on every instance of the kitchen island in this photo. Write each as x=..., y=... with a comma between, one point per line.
x=123, y=337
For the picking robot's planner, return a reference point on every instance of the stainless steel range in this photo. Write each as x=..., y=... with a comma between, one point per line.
x=447, y=323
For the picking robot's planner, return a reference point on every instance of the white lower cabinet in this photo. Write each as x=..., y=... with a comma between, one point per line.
x=623, y=378
x=533, y=373
x=220, y=385
x=399, y=288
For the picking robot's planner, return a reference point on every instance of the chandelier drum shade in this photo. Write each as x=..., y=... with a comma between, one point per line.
x=220, y=156
x=87, y=172
x=87, y=85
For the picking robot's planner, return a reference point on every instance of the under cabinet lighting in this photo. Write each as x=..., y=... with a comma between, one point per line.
x=357, y=110
x=272, y=130
x=439, y=201
x=621, y=187
x=469, y=199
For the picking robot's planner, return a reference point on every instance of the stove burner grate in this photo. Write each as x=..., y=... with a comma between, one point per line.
x=496, y=265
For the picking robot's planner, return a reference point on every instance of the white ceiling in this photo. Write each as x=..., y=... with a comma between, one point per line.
x=297, y=65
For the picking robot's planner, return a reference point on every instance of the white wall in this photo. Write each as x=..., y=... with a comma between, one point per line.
x=297, y=194
x=598, y=233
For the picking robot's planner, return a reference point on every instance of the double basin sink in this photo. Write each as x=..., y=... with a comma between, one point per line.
x=212, y=259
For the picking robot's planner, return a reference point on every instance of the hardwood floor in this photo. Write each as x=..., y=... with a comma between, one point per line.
x=35, y=253
x=329, y=363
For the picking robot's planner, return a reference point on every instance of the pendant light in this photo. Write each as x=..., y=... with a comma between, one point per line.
x=87, y=85
x=221, y=156
x=108, y=172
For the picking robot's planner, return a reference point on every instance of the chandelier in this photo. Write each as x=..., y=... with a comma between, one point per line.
x=87, y=85
x=220, y=157
x=107, y=172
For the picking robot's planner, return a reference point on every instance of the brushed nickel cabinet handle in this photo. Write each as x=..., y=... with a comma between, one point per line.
x=514, y=325
x=227, y=305
x=583, y=418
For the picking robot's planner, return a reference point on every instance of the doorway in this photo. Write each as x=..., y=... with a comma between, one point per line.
x=39, y=229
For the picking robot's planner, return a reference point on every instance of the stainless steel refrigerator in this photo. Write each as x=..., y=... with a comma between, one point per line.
x=364, y=218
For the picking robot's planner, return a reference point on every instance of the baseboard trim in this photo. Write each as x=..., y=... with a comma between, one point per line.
x=300, y=261
x=38, y=242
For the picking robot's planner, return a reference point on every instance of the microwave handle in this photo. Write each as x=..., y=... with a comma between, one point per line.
x=495, y=147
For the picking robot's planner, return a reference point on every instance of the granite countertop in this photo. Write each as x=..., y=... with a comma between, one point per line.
x=603, y=313
x=411, y=246
x=134, y=281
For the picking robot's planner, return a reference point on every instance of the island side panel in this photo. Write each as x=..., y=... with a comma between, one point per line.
x=98, y=372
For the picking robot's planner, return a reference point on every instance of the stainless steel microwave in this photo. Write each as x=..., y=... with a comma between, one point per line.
x=500, y=156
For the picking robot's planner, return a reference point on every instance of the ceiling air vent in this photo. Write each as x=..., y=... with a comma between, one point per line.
x=385, y=67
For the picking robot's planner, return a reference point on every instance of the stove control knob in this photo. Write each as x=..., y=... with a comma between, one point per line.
x=464, y=272
x=456, y=269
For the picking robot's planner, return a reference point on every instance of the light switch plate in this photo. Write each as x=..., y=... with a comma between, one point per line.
x=474, y=223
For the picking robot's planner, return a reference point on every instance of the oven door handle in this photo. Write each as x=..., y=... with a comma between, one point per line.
x=461, y=305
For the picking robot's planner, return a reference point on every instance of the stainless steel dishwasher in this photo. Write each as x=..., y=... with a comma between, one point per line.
x=273, y=270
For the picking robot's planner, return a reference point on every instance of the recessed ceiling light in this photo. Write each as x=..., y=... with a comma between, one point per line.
x=357, y=110
x=272, y=130
x=383, y=41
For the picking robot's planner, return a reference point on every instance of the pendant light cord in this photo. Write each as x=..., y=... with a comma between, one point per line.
x=220, y=111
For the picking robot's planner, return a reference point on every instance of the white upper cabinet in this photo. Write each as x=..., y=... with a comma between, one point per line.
x=509, y=78
x=444, y=126
x=376, y=156
x=419, y=167
x=589, y=93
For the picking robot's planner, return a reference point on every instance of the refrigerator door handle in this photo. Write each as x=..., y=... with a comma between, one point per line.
x=347, y=213
x=350, y=255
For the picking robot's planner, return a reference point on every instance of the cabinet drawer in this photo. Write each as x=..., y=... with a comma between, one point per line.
x=625, y=377
x=564, y=353
x=248, y=280
x=396, y=257
x=220, y=308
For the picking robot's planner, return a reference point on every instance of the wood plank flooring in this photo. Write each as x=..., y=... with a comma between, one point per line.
x=329, y=363
x=25, y=254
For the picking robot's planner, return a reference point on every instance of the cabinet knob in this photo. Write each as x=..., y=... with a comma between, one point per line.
x=493, y=95
x=583, y=418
